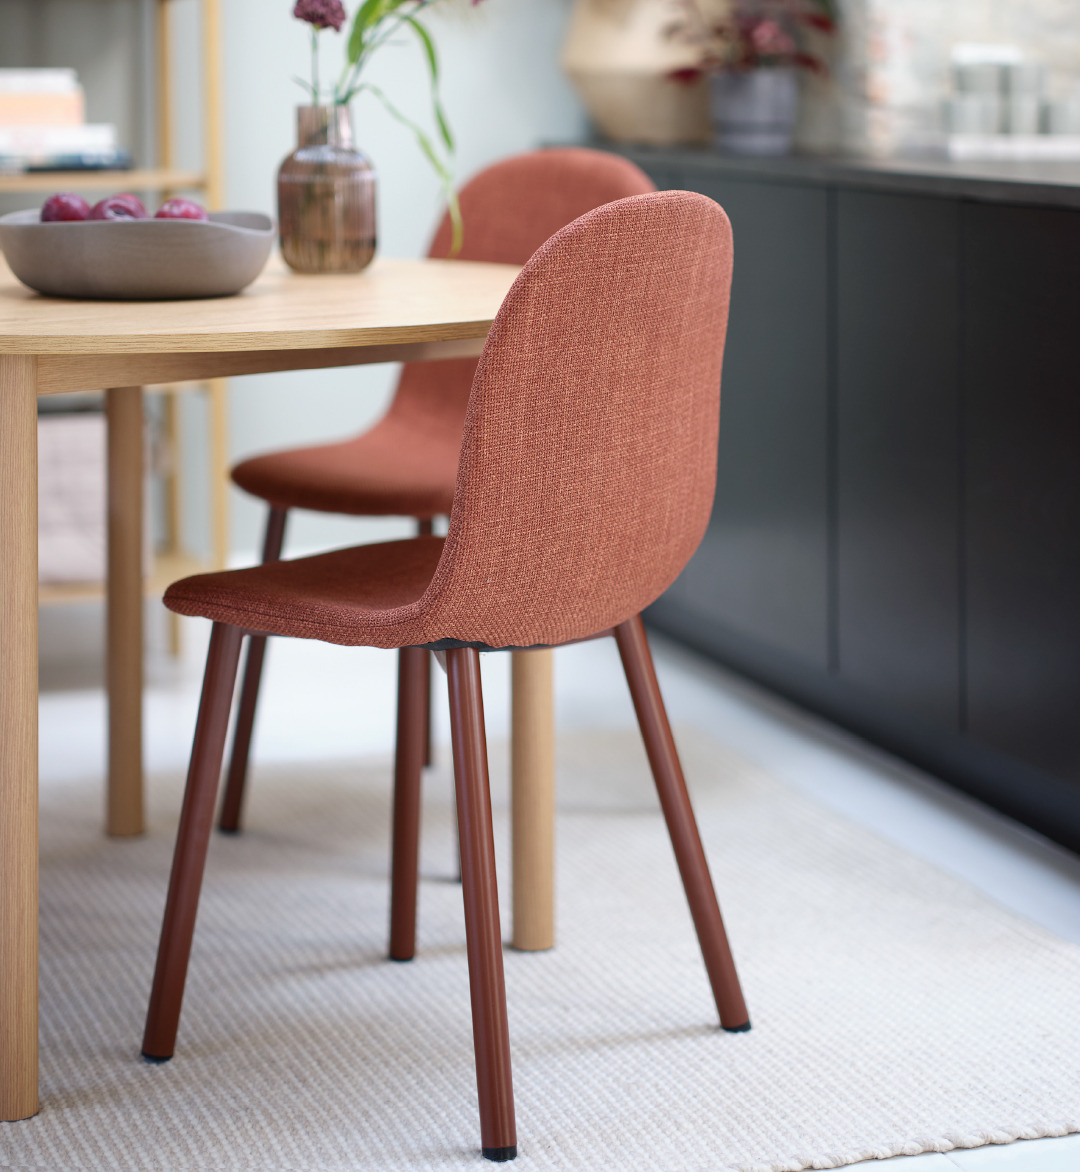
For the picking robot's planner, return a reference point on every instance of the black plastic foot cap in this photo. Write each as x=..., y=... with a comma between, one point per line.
x=400, y=959
x=500, y=1155
x=228, y=830
x=741, y=1029
x=156, y=1059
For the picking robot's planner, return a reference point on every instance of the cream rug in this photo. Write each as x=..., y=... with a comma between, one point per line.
x=895, y=1010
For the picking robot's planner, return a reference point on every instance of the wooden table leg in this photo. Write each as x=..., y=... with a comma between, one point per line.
x=124, y=411
x=533, y=799
x=18, y=740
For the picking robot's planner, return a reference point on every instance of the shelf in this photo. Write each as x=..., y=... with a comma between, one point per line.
x=167, y=569
x=146, y=180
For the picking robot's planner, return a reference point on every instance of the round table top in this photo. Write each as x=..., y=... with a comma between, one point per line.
x=390, y=302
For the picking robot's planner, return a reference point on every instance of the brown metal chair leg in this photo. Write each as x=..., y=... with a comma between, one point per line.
x=675, y=801
x=425, y=527
x=491, y=1036
x=414, y=667
x=192, y=841
x=229, y=821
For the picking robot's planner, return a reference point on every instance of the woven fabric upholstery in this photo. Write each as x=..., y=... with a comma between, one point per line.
x=395, y=469
x=588, y=460
x=336, y=597
x=406, y=464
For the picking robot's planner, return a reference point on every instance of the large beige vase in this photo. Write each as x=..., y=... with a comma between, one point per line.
x=620, y=60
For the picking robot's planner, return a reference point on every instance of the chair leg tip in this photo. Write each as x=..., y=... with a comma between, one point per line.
x=401, y=959
x=500, y=1155
x=738, y=1029
x=156, y=1059
x=232, y=830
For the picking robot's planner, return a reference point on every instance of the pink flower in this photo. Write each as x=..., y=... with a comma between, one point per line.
x=321, y=13
x=685, y=76
x=770, y=40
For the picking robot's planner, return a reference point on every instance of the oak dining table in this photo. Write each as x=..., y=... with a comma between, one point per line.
x=396, y=310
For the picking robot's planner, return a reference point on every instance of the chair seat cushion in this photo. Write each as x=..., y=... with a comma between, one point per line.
x=364, y=596
x=392, y=470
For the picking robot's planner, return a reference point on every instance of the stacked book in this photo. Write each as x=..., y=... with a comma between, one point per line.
x=43, y=126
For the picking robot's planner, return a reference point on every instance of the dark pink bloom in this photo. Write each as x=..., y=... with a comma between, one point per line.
x=770, y=40
x=321, y=13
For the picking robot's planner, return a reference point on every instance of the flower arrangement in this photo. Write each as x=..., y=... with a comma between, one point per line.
x=741, y=35
x=375, y=24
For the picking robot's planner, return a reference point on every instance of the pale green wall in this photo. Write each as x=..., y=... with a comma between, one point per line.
x=503, y=92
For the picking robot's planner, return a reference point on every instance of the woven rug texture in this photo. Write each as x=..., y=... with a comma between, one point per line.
x=895, y=1009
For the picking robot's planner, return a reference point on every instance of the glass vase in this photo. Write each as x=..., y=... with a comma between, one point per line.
x=326, y=196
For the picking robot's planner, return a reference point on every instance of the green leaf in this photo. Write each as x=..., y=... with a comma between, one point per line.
x=367, y=16
x=433, y=67
x=306, y=85
x=444, y=128
x=429, y=46
x=457, y=235
x=446, y=177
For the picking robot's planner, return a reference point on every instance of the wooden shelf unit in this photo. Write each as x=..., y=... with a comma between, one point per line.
x=173, y=561
x=168, y=567
x=140, y=179
x=163, y=179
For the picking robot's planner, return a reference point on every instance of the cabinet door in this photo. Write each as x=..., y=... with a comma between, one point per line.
x=762, y=569
x=1022, y=416
x=897, y=472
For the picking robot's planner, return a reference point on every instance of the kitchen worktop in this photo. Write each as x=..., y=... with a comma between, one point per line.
x=1045, y=183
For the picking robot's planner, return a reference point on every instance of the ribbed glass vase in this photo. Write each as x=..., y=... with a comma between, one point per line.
x=326, y=196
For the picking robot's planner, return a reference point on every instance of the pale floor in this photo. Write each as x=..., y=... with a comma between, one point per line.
x=327, y=702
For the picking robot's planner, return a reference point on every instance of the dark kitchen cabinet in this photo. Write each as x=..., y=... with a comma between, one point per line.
x=895, y=541
x=897, y=437
x=1022, y=470
x=762, y=570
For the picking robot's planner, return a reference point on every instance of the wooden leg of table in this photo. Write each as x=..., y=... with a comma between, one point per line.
x=124, y=411
x=173, y=504
x=18, y=740
x=218, y=456
x=533, y=800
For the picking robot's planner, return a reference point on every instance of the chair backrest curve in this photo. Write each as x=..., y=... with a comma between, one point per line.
x=511, y=207
x=588, y=462
x=509, y=210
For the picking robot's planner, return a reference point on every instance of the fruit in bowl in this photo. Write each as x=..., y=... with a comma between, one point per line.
x=119, y=207
x=65, y=205
x=181, y=209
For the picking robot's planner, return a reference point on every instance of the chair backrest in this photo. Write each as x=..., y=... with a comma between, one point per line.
x=588, y=462
x=509, y=209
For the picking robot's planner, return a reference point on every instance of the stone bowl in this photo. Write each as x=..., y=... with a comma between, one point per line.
x=137, y=260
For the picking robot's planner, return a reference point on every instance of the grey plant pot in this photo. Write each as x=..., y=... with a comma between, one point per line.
x=754, y=112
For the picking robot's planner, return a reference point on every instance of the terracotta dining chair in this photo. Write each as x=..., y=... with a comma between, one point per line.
x=587, y=470
x=406, y=465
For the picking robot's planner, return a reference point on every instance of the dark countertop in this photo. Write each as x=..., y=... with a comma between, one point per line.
x=1050, y=184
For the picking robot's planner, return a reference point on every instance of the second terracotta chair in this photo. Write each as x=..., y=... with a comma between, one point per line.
x=406, y=465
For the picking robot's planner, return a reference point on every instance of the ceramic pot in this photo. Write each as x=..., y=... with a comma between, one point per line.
x=754, y=112
x=620, y=61
x=326, y=196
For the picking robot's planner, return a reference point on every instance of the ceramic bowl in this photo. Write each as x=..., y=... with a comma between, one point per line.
x=137, y=260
